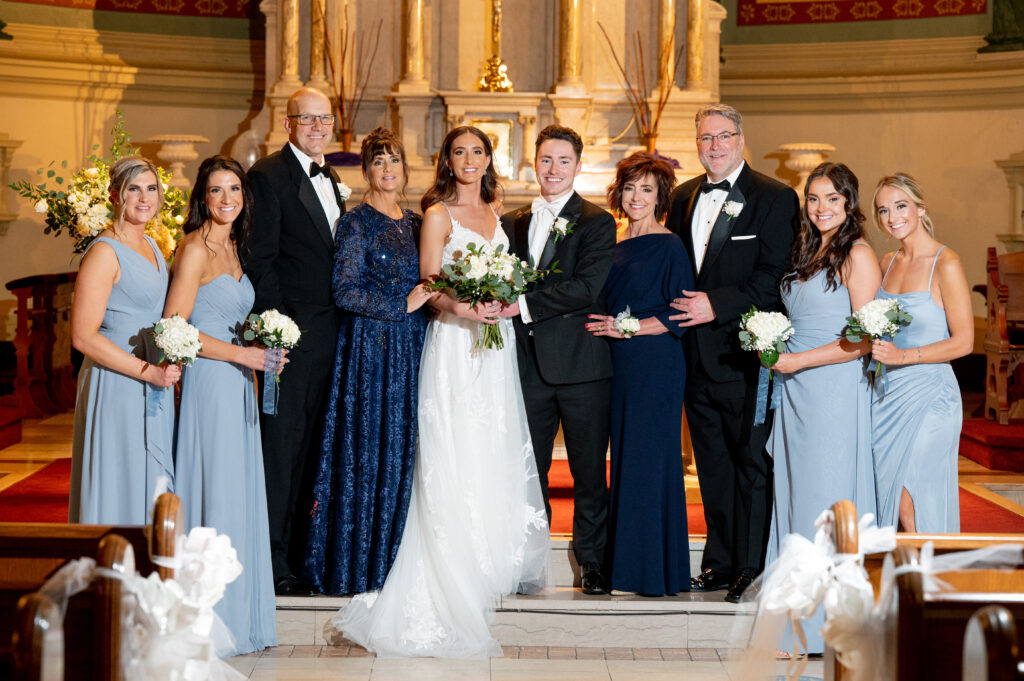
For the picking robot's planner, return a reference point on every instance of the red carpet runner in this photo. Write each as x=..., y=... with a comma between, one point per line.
x=43, y=497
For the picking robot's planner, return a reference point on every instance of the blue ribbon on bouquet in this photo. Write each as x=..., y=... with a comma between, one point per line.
x=271, y=362
x=764, y=380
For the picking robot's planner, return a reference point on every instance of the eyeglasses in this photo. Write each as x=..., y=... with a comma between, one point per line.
x=722, y=138
x=309, y=119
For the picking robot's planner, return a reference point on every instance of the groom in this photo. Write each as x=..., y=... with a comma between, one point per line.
x=565, y=371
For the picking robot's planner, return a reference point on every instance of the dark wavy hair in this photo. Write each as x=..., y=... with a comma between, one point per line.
x=634, y=168
x=199, y=213
x=383, y=142
x=804, y=260
x=560, y=132
x=444, y=178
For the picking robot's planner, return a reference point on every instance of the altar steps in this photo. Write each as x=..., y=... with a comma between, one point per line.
x=565, y=617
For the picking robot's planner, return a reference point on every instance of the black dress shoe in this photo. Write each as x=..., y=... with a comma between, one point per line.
x=744, y=580
x=289, y=586
x=592, y=581
x=710, y=580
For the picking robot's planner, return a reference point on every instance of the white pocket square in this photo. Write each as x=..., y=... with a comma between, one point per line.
x=744, y=237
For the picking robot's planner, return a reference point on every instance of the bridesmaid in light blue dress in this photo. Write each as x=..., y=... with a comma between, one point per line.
x=218, y=453
x=124, y=413
x=821, y=439
x=916, y=412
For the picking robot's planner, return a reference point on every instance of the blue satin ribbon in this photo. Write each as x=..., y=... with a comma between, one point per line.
x=154, y=399
x=271, y=360
x=764, y=379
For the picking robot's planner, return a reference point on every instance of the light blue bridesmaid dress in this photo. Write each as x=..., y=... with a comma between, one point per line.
x=220, y=463
x=124, y=427
x=821, y=438
x=916, y=418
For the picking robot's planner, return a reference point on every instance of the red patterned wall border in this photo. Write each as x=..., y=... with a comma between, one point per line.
x=770, y=12
x=193, y=8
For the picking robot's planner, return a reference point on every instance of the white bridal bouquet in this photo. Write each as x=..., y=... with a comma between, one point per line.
x=766, y=332
x=880, y=318
x=484, y=274
x=177, y=340
x=276, y=331
x=626, y=323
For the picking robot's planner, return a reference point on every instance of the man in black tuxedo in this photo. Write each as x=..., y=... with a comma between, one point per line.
x=297, y=205
x=565, y=371
x=738, y=226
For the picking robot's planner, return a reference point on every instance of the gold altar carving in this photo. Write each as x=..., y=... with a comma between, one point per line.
x=495, y=77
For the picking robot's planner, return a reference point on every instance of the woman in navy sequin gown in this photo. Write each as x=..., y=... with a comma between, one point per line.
x=648, y=540
x=364, y=476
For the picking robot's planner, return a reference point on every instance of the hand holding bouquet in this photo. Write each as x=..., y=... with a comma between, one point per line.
x=880, y=318
x=486, y=274
x=177, y=340
x=766, y=332
x=278, y=332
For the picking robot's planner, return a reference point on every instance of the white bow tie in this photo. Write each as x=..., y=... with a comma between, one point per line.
x=541, y=204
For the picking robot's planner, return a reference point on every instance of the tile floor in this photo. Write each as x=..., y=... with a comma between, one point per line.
x=528, y=663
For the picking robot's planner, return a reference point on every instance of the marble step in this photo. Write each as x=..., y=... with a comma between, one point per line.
x=563, y=616
x=565, y=570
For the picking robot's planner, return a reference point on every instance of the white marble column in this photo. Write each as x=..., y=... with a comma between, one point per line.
x=695, y=44
x=317, y=28
x=526, y=170
x=1013, y=167
x=290, y=42
x=414, y=78
x=569, y=47
x=666, y=38
x=288, y=82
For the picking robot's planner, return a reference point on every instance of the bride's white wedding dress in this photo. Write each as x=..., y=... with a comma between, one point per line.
x=477, y=527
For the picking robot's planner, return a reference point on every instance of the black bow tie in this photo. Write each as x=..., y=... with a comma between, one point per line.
x=315, y=169
x=724, y=185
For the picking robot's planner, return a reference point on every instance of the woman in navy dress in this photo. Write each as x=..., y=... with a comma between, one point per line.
x=364, y=476
x=649, y=550
x=916, y=413
x=124, y=413
x=821, y=436
x=218, y=454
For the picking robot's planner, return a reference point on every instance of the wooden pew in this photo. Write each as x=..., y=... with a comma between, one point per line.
x=86, y=644
x=31, y=552
x=990, y=647
x=1004, y=336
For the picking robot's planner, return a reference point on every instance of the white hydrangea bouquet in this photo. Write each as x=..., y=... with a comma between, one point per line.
x=880, y=318
x=81, y=206
x=177, y=340
x=765, y=332
x=276, y=331
x=484, y=274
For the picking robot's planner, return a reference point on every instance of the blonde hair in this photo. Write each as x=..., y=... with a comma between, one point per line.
x=122, y=173
x=909, y=186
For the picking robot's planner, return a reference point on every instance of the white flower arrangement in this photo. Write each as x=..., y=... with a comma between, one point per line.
x=344, y=191
x=765, y=332
x=562, y=228
x=732, y=209
x=177, y=340
x=273, y=329
x=486, y=273
x=879, y=318
x=626, y=323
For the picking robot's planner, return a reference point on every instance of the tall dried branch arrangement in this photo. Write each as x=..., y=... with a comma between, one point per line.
x=633, y=74
x=350, y=66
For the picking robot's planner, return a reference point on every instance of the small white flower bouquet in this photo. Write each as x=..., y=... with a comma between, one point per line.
x=626, y=323
x=177, y=340
x=880, y=318
x=765, y=332
x=276, y=331
x=732, y=209
x=483, y=274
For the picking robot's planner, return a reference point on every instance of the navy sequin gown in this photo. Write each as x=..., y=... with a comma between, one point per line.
x=647, y=531
x=364, y=476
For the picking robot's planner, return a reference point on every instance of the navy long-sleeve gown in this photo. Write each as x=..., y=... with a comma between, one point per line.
x=647, y=531
x=364, y=476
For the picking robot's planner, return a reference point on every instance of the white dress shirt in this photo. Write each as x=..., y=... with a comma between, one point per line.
x=541, y=221
x=705, y=214
x=323, y=187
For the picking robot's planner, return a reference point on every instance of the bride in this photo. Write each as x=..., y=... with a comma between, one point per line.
x=477, y=528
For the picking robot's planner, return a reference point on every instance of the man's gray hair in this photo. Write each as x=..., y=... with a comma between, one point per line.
x=719, y=110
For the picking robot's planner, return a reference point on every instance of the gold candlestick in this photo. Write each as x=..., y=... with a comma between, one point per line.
x=495, y=77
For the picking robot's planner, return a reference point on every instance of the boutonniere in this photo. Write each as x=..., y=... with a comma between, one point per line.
x=562, y=228
x=344, y=191
x=732, y=209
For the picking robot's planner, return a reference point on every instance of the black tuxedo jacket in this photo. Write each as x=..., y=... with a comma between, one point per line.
x=559, y=303
x=745, y=258
x=291, y=250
